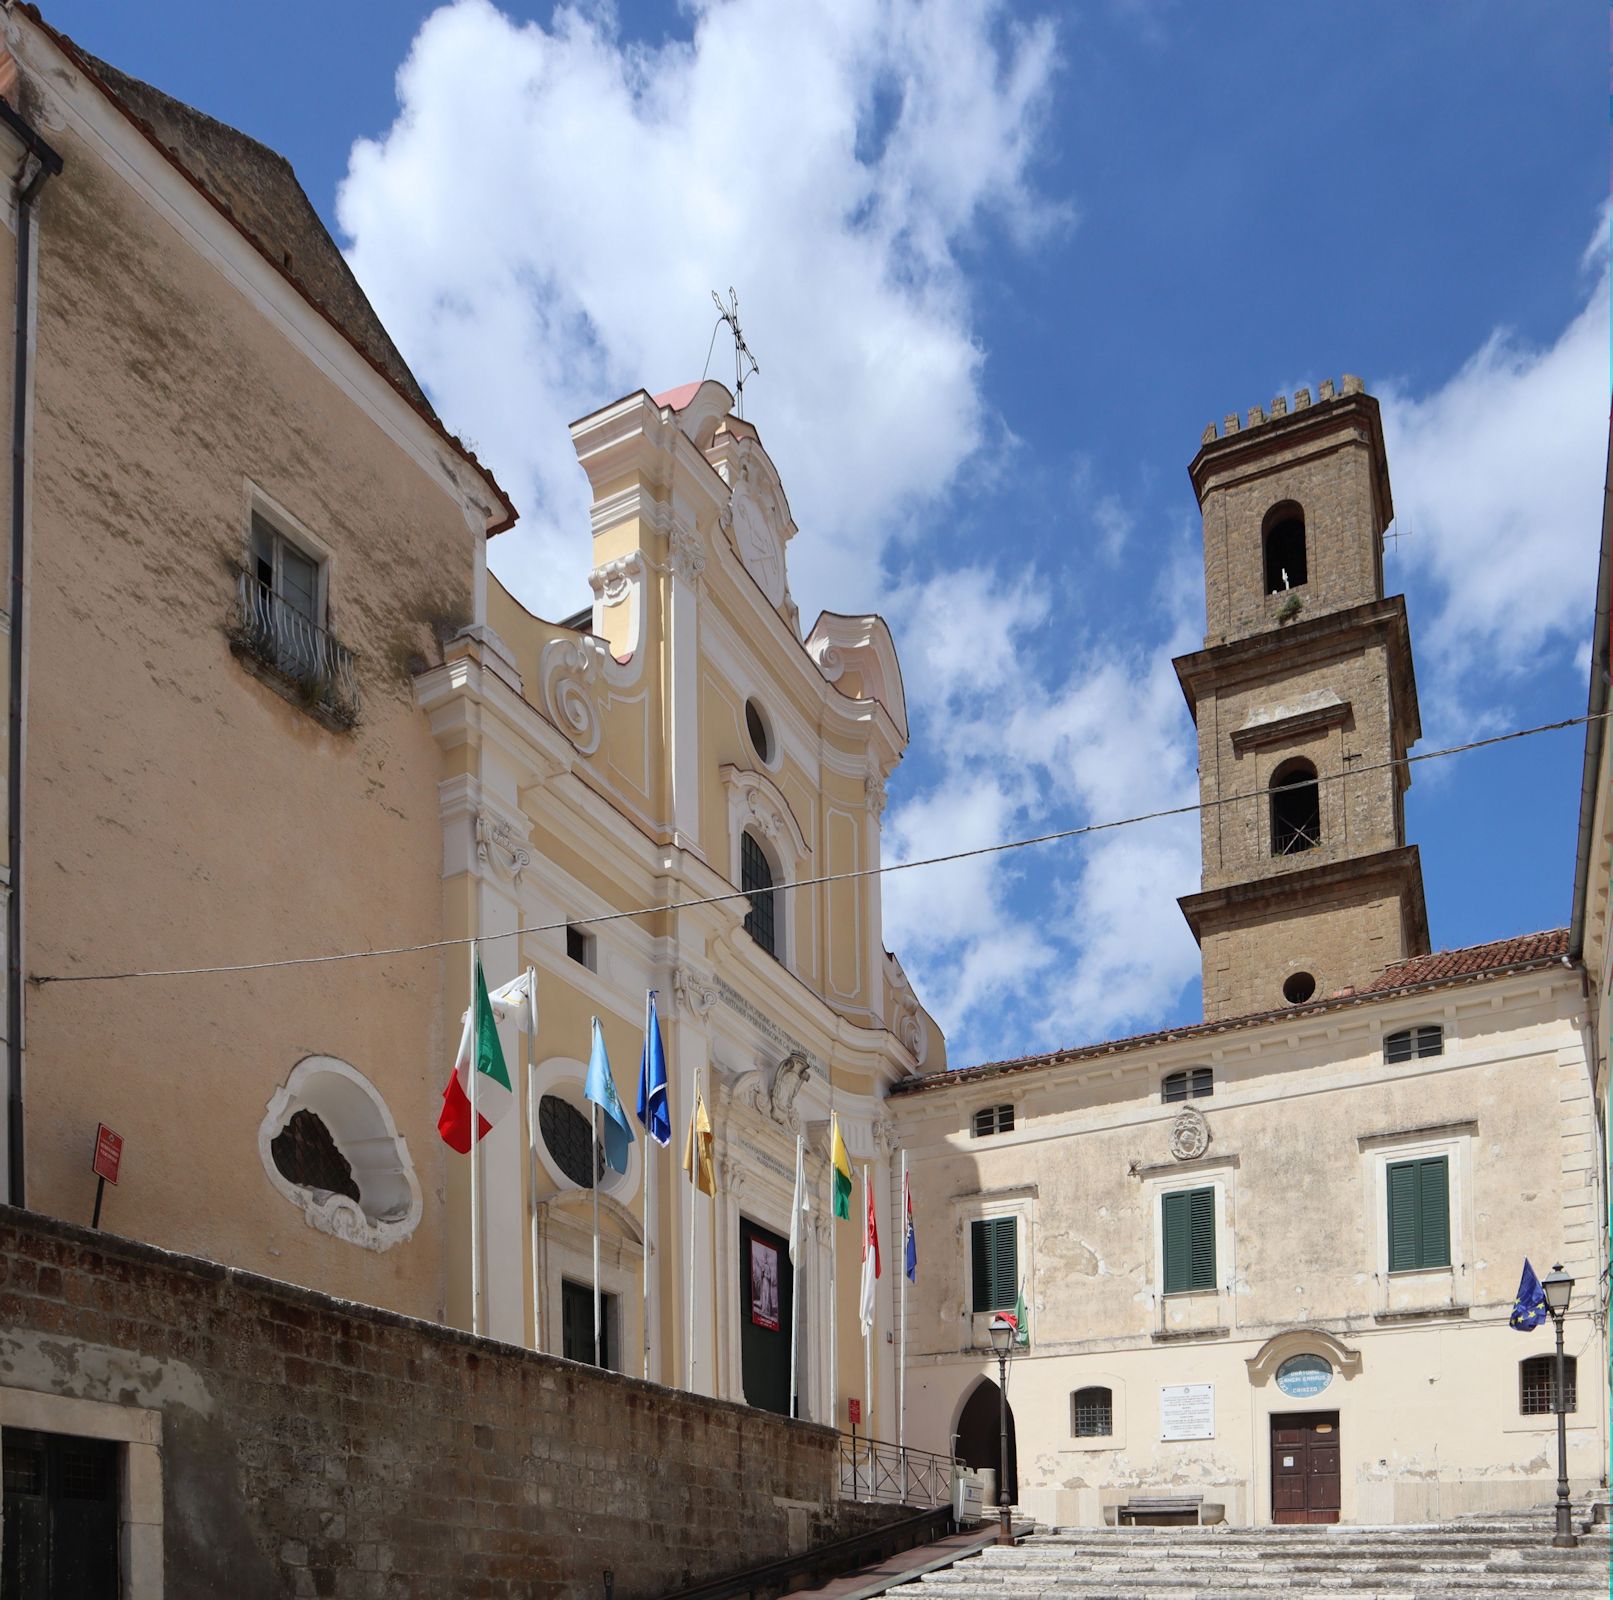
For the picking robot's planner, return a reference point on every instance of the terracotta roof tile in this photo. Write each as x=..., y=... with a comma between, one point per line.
x=1443, y=966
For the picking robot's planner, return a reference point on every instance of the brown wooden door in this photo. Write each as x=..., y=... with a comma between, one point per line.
x=1305, y=1467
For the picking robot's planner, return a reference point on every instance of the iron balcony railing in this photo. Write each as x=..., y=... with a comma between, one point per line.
x=279, y=636
x=871, y=1469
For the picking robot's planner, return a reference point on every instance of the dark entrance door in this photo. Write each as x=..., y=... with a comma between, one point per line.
x=1305, y=1467
x=61, y=1516
x=767, y=1292
x=980, y=1434
x=577, y=1323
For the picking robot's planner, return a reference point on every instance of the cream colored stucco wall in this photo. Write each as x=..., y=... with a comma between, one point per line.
x=1302, y=1119
x=180, y=812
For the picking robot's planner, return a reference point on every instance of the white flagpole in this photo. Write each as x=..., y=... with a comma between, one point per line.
x=648, y=1168
x=834, y=1351
x=532, y=1150
x=593, y=1157
x=868, y=1343
x=475, y=1153
x=694, y=1196
x=901, y=1370
x=795, y=1286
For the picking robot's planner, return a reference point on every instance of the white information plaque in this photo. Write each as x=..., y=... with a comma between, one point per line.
x=1187, y=1411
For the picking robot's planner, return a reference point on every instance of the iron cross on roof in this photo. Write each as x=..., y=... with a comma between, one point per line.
x=730, y=314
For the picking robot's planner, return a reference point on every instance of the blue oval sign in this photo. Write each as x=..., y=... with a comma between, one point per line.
x=1304, y=1376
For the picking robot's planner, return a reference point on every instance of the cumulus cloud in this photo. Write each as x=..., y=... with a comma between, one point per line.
x=543, y=223
x=1498, y=480
x=1032, y=725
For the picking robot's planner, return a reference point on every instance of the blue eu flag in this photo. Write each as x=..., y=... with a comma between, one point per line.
x=652, y=1106
x=1530, y=1310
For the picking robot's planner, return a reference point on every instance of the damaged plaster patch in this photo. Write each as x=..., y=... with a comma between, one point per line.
x=30, y=1360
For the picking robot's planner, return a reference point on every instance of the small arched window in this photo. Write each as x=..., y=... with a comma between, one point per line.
x=1296, y=809
x=1092, y=1413
x=756, y=879
x=1537, y=1386
x=1193, y=1083
x=1283, y=540
x=1411, y=1043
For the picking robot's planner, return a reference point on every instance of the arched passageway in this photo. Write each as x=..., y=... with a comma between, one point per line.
x=979, y=1434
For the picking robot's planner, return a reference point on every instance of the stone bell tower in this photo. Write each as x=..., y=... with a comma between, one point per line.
x=1304, y=698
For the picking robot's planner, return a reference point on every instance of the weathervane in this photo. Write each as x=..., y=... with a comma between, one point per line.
x=730, y=314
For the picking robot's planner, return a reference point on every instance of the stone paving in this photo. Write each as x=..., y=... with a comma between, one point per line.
x=1472, y=1559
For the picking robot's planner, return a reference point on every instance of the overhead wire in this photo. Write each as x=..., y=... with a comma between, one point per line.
x=1055, y=836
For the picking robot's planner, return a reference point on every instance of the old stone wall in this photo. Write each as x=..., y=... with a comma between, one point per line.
x=311, y=1446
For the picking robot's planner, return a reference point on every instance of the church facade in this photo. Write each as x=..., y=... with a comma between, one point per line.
x=1269, y=1259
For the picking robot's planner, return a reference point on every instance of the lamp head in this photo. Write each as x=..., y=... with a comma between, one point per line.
x=1002, y=1334
x=1558, y=1288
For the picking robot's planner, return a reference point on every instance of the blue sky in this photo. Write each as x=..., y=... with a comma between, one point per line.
x=1001, y=264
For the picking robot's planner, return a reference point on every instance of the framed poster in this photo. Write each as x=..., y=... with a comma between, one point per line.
x=764, y=1285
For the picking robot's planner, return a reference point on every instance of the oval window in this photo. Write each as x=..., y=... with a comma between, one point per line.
x=1299, y=988
x=567, y=1136
x=756, y=727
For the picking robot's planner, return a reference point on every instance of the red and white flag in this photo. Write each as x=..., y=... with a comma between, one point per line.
x=865, y=1313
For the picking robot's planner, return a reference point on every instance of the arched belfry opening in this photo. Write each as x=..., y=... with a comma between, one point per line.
x=1283, y=540
x=980, y=1436
x=1296, y=808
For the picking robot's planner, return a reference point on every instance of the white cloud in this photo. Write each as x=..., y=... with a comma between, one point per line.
x=542, y=225
x=1063, y=943
x=1498, y=480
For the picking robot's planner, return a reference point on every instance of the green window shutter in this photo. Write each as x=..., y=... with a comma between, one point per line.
x=1203, y=1255
x=1434, y=1200
x=1404, y=1232
x=994, y=1262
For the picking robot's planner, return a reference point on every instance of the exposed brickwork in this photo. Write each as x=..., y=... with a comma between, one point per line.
x=315, y=1447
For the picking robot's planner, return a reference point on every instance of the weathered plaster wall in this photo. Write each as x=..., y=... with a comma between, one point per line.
x=314, y=1447
x=180, y=811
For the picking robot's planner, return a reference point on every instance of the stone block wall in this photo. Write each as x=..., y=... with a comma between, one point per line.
x=314, y=1447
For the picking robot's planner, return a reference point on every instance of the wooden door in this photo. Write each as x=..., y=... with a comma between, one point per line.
x=767, y=1291
x=1305, y=1467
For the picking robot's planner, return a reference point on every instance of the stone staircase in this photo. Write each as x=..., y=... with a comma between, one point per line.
x=1478, y=1558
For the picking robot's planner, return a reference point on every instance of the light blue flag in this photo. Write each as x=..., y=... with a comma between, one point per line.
x=652, y=1106
x=601, y=1089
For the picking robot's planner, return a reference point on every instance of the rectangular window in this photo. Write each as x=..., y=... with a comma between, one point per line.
x=994, y=1253
x=1419, y=1214
x=1187, y=1222
x=61, y=1515
x=288, y=573
x=1413, y=1043
x=580, y=947
x=577, y=1323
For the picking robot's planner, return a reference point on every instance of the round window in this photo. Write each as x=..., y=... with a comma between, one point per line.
x=567, y=1136
x=1299, y=988
x=756, y=727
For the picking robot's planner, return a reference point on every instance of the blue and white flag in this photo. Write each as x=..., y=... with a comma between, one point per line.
x=601, y=1089
x=653, y=1115
x=1530, y=1310
x=910, y=1250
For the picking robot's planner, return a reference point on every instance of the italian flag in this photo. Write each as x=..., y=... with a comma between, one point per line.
x=841, y=1164
x=478, y=1043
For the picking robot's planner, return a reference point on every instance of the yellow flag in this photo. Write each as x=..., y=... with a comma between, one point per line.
x=698, y=1149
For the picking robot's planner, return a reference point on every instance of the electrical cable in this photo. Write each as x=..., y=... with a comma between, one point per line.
x=883, y=868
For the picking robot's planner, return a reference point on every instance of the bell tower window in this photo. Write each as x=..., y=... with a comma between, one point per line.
x=1296, y=809
x=1284, y=544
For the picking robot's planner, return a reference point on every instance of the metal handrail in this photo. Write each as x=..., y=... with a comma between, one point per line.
x=873, y=1469
x=281, y=637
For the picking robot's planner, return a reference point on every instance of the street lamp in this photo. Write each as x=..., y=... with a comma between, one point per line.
x=1002, y=1342
x=1558, y=1288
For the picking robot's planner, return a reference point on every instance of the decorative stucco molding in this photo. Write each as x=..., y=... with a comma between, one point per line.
x=497, y=843
x=693, y=992
x=754, y=800
x=775, y=1097
x=907, y=1017
x=1190, y=1134
x=573, y=675
x=686, y=554
x=874, y=793
x=1302, y=1342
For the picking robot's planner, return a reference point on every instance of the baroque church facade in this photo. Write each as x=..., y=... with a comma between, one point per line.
x=1269, y=1258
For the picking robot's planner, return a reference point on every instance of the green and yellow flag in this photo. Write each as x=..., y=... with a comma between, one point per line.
x=841, y=1163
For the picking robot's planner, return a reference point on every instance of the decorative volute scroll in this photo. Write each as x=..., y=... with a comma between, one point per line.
x=498, y=843
x=906, y=1015
x=775, y=1098
x=858, y=656
x=1190, y=1134
x=686, y=554
x=579, y=671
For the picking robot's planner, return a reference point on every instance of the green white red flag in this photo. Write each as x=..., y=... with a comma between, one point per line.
x=478, y=1043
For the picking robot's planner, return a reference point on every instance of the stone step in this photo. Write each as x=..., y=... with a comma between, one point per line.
x=1267, y=1573
x=1157, y=1582
x=1123, y=1591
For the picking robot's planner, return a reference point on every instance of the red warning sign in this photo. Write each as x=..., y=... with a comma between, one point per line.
x=108, y=1153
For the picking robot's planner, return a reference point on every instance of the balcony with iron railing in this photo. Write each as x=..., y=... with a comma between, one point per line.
x=305, y=662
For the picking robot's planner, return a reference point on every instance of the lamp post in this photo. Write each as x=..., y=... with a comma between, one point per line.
x=1559, y=1288
x=1002, y=1342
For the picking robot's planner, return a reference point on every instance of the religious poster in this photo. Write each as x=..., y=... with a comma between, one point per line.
x=764, y=1285
x=1187, y=1411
